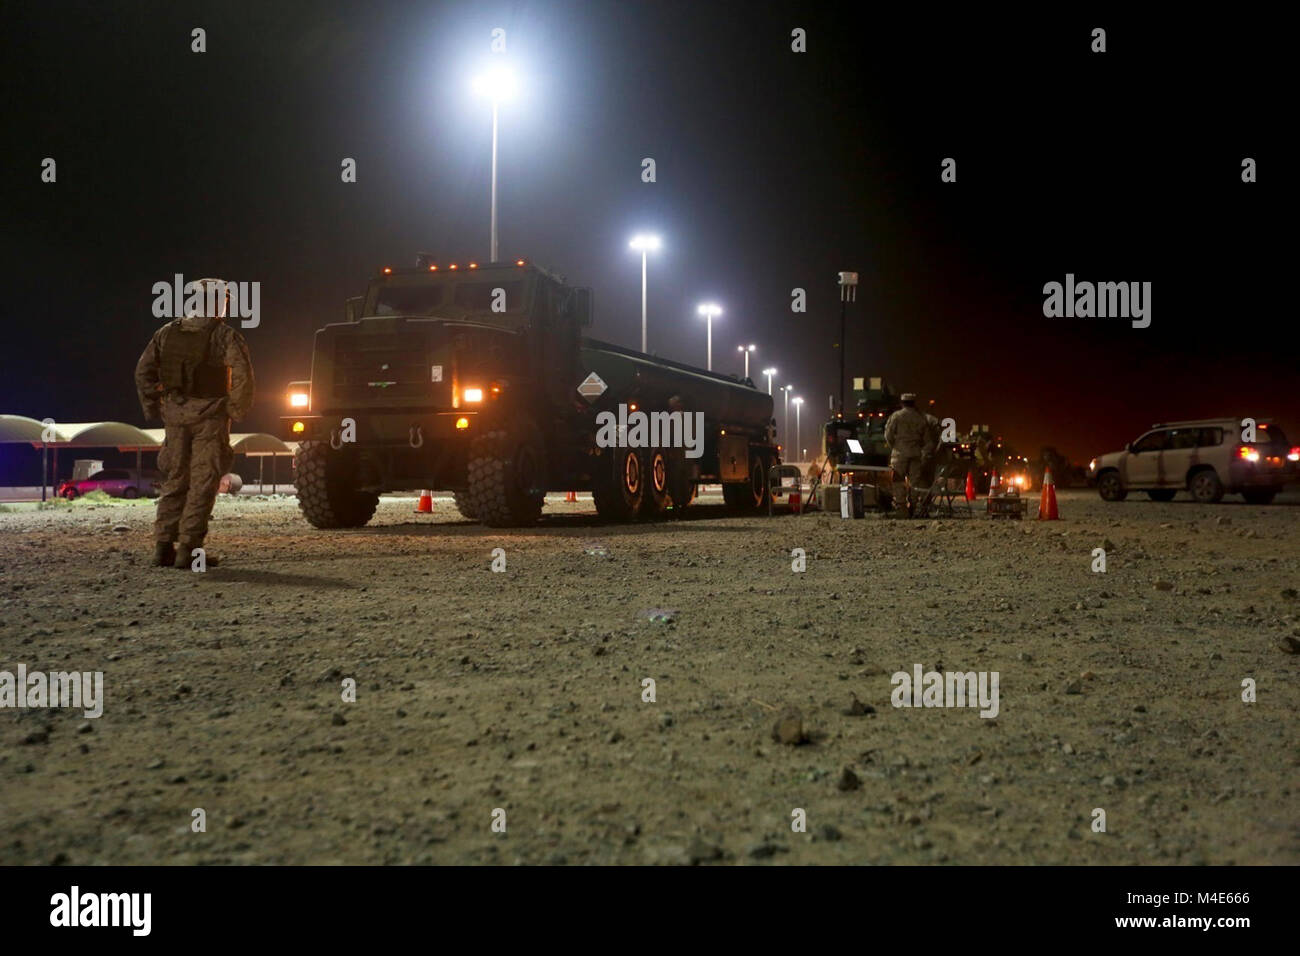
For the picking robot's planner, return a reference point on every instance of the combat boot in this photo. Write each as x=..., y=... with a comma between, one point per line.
x=185, y=557
x=164, y=554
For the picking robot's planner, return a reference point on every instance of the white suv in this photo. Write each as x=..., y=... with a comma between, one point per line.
x=1207, y=458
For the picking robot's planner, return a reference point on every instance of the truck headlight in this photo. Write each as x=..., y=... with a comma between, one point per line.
x=473, y=394
x=298, y=399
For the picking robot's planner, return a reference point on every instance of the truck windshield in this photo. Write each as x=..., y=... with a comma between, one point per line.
x=484, y=296
x=409, y=300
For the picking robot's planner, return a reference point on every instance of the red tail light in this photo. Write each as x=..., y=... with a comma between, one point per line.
x=1293, y=454
x=1246, y=453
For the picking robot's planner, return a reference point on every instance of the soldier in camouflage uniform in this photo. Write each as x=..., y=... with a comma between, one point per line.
x=196, y=375
x=910, y=441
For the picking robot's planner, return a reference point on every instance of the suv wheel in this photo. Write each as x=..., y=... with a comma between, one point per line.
x=1110, y=487
x=464, y=505
x=1162, y=494
x=1205, y=486
x=1260, y=496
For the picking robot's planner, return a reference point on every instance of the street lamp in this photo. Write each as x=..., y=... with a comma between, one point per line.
x=769, y=372
x=785, y=432
x=745, y=350
x=499, y=84
x=709, y=310
x=798, y=402
x=644, y=244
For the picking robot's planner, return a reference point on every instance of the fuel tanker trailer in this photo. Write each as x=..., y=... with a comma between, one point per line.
x=478, y=379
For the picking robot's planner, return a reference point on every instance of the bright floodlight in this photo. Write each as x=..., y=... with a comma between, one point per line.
x=769, y=371
x=710, y=310
x=797, y=401
x=498, y=83
x=644, y=243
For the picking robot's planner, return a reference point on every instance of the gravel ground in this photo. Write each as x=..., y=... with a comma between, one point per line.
x=522, y=692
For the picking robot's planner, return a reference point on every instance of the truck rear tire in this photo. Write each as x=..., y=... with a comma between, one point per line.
x=618, y=486
x=464, y=505
x=750, y=497
x=507, y=477
x=656, y=471
x=326, y=481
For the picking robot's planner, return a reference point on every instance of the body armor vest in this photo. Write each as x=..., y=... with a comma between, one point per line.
x=186, y=366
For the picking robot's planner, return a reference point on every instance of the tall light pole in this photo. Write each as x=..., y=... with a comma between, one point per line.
x=745, y=350
x=499, y=84
x=785, y=432
x=645, y=244
x=798, y=403
x=709, y=310
x=848, y=293
x=769, y=372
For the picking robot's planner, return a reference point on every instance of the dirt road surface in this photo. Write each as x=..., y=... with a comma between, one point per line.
x=516, y=697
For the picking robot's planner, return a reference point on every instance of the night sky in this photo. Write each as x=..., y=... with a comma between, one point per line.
x=775, y=170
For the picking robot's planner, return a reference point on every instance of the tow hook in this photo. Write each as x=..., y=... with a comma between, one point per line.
x=336, y=439
x=416, y=436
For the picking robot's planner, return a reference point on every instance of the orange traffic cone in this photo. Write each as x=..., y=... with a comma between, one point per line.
x=970, y=485
x=1047, y=502
x=993, y=490
x=570, y=496
x=425, y=504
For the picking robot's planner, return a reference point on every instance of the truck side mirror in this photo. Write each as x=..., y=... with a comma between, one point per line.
x=580, y=305
x=352, y=306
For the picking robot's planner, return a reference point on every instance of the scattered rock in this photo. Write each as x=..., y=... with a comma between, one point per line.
x=856, y=708
x=1074, y=687
x=1290, y=644
x=702, y=851
x=338, y=720
x=848, y=780
x=765, y=850
x=1164, y=585
x=789, y=728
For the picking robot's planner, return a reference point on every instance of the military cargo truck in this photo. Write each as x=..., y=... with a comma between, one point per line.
x=478, y=379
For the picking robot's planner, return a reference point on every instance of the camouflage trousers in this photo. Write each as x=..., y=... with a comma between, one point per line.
x=194, y=457
x=905, y=467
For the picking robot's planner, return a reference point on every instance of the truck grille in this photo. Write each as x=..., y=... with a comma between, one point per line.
x=382, y=368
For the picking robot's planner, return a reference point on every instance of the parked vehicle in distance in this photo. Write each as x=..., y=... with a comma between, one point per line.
x=115, y=482
x=1206, y=458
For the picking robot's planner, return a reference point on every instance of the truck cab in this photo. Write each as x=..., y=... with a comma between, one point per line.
x=477, y=379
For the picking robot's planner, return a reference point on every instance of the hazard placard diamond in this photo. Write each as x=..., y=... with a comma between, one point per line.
x=592, y=387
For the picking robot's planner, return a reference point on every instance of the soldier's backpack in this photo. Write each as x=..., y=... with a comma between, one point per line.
x=186, y=367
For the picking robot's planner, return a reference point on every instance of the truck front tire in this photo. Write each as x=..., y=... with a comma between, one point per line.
x=326, y=481
x=464, y=505
x=507, y=477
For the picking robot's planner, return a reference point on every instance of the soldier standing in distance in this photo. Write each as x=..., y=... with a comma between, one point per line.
x=908, y=435
x=196, y=375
